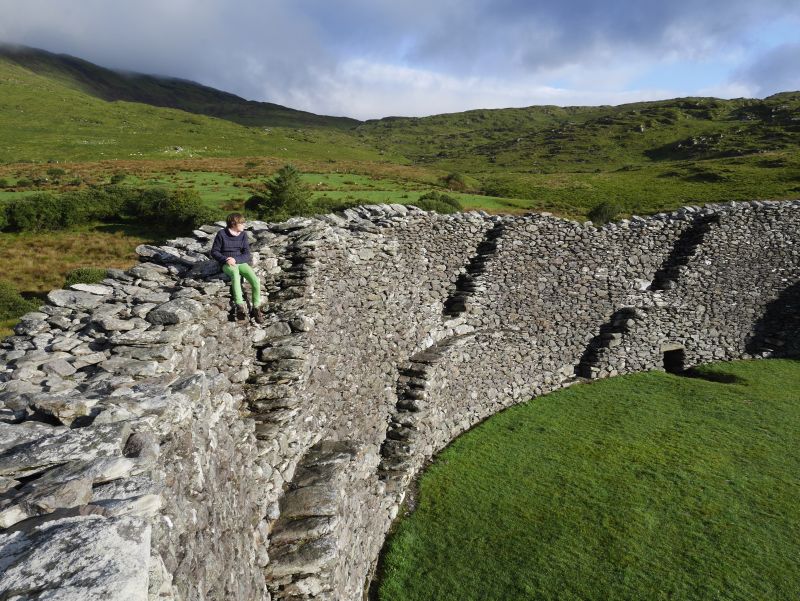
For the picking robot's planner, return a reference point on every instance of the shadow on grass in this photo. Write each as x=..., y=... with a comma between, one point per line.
x=712, y=376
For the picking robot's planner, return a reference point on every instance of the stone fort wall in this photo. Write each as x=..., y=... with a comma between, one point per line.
x=152, y=449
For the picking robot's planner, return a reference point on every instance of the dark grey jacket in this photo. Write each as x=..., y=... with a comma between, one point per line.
x=226, y=246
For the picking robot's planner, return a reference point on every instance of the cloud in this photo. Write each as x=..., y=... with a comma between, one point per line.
x=777, y=70
x=366, y=58
x=373, y=90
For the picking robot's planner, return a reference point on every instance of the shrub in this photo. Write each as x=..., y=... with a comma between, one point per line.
x=55, y=172
x=35, y=213
x=12, y=303
x=85, y=275
x=286, y=197
x=254, y=203
x=455, y=181
x=3, y=182
x=117, y=178
x=436, y=201
x=326, y=204
x=183, y=208
x=24, y=183
x=604, y=212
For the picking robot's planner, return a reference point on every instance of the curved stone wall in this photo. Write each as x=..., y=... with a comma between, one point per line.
x=152, y=449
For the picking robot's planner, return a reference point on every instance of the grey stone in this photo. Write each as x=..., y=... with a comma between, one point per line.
x=59, y=367
x=12, y=435
x=316, y=500
x=130, y=367
x=84, y=443
x=97, y=289
x=74, y=299
x=175, y=311
x=89, y=558
x=308, y=558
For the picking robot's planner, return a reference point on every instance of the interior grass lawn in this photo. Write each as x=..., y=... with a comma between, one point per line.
x=642, y=487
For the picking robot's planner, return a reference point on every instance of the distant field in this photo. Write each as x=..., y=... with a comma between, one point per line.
x=648, y=486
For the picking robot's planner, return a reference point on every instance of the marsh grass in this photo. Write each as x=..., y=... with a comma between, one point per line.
x=39, y=262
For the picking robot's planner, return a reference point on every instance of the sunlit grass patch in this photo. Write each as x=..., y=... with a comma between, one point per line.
x=649, y=486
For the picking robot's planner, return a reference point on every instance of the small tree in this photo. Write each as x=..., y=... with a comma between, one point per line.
x=604, y=212
x=286, y=196
x=455, y=181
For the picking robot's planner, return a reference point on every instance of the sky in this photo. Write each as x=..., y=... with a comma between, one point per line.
x=376, y=58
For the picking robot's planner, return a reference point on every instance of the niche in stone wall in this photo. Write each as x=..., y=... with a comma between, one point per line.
x=674, y=358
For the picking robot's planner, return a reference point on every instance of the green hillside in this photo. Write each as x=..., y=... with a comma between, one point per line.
x=644, y=157
x=44, y=119
x=549, y=138
x=648, y=156
x=169, y=92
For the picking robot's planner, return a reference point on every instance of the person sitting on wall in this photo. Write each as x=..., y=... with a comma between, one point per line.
x=232, y=250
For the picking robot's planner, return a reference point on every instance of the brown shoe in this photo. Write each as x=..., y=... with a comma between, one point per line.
x=258, y=315
x=241, y=314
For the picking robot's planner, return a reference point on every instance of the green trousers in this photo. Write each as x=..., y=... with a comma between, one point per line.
x=236, y=272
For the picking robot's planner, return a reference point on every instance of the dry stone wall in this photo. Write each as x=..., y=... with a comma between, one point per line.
x=150, y=448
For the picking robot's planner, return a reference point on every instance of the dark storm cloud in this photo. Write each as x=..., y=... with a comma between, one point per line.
x=510, y=35
x=369, y=57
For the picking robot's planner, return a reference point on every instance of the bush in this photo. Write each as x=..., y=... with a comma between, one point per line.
x=326, y=204
x=254, y=203
x=183, y=208
x=604, y=212
x=45, y=211
x=455, y=181
x=36, y=213
x=286, y=196
x=85, y=275
x=436, y=201
x=12, y=304
x=3, y=182
x=24, y=183
x=117, y=178
x=55, y=172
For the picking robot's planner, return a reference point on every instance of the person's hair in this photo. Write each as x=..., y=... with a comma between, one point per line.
x=234, y=218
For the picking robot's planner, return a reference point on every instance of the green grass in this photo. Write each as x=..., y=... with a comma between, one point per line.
x=43, y=119
x=648, y=486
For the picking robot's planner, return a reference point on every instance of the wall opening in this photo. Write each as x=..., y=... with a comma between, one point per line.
x=674, y=361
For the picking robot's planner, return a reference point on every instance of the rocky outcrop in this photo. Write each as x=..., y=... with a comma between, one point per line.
x=151, y=448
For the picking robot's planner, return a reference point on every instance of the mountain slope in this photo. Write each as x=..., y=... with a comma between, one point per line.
x=42, y=119
x=169, y=92
x=549, y=138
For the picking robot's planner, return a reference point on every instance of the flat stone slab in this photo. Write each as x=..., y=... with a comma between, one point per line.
x=98, y=289
x=175, y=311
x=79, y=558
x=105, y=440
x=74, y=299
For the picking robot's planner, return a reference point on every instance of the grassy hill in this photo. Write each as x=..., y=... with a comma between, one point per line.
x=44, y=119
x=169, y=92
x=646, y=157
x=649, y=156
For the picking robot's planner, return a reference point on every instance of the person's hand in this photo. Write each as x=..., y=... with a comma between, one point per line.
x=230, y=261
